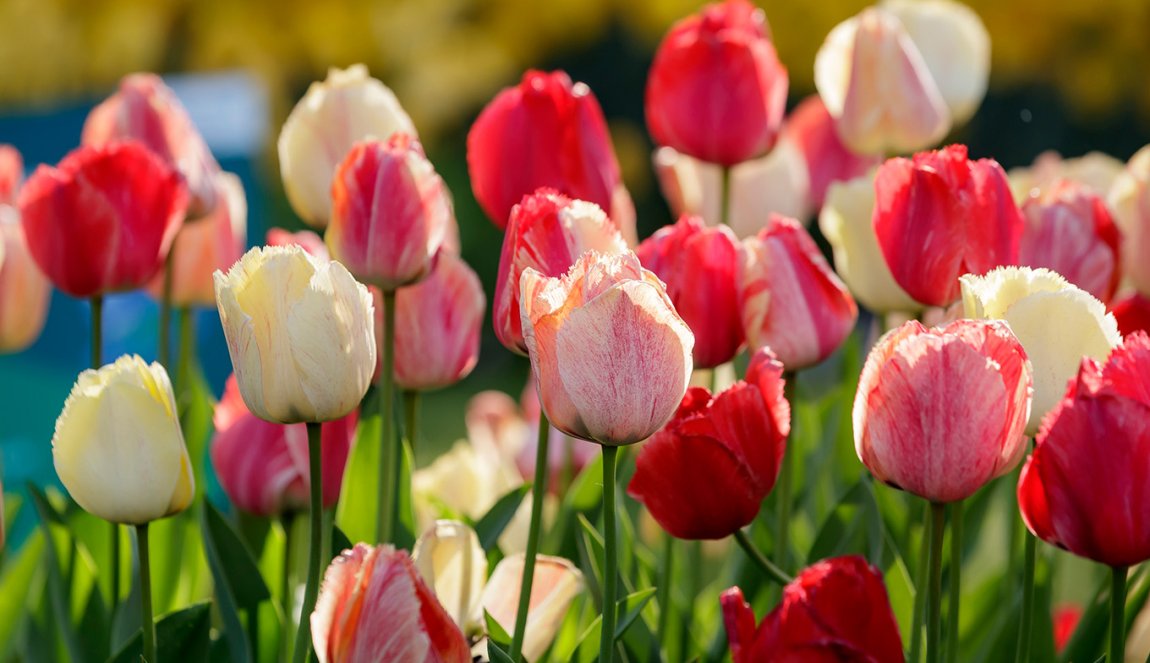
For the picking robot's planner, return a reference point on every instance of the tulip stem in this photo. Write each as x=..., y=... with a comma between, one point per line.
x=186, y=343
x=286, y=522
x=97, y=331
x=611, y=558
x=1117, y=614
x=388, y=457
x=315, y=471
x=725, y=195
x=790, y=390
x=97, y=360
x=773, y=572
x=165, y=349
x=148, y=623
x=411, y=409
x=1029, y=555
x=934, y=605
x=955, y=588
x=538, y=490
x=664, y=599
x=920, y=593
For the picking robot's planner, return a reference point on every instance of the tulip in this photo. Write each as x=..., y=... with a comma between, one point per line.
x=545, y=132
x=716, y=90
x=103, y=220
x=437, y=326
x=1068, y=230
x=705, y=474
x=118, y=448
x=1065, y=618
x=390, y=212
x=556, y=584
x=940, y=412
x=146, y=110
x=11, y=174
x=836, y=610
x=1096, y=170
x=1028, y=300
x=547, y=232
x=1082, y=487
x=299, y=333
x=1132, y=313
x=24, y=290
x=215, y=242
x=611, y=356
x=940, y=216
x=375, y=607
x=263, y=467
x=789, y=298
x=1129, y=198
x=305, y=239
x=811, y=128
x=335, y=114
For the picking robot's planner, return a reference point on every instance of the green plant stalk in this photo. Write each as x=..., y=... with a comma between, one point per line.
x=666, y=572
x=185, y=344
x=955, y=581
x=782, y=537
x=538, y=490
x=388, y=467
x=773, y=572
x=1029, y=555
x=287, y=520
x=315, y=516
x=725, y=196
x=148, y=621
x=165, y=349
x=1117, y=614
x=920, y=591
x=934, y=604
x=611, y=555
x=254, y=632
x=411, y=401
x=96, y=361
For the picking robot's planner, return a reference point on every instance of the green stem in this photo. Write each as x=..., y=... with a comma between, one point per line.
x=165, y=349
x=325, y=554
x=97, y=331
x=773, y=572
x=148, y=623
x=411, y=410
x=538, y=490
x=185, y=342
x=920, y=592
x=254, y=632
x=315, y=516
x=96, y=361
x=1117, y=614
x=1030, y=553
x=955, y=588
x=782, y=537
x=725, y=195
x=667, y=573
x=388, y=467
x=694, y=588
x=934, y=605
x=610, y=554
x=287, y=520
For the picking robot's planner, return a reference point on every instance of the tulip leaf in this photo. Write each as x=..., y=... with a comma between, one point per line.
x=495, y=632
x=845, y=529
x=184, y=636
x=239, y=585
x=17, y=582
x=627, y=611
x=358, y=508
x=496, y=653
x=492, y=524
x=405, y=533
x=58, y=586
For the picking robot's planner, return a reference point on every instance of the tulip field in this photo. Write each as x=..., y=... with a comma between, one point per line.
x=864, y=395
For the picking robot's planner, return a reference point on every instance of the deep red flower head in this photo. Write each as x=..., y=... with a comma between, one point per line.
x=939, y=216
x=1132, y=313
x=716, y=90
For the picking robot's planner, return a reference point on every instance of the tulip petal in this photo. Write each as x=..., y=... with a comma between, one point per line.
x=555, y=584
x=453, y=564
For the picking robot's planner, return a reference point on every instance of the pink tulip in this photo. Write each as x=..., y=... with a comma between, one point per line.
x=940, y=412
x=24, y=290
x=789, y=298
x=305, y=239
x=812, y=129
x=11, y=174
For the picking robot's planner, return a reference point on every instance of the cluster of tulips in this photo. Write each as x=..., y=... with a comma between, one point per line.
x=1004, y=300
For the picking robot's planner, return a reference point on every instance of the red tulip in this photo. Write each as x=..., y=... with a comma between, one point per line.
x=390, y=212
x=704, y=475
x=24, y=290
x=1066, y=618
x=547, y=232
x=1083, y=487
x=700, y=267
x=835, y=610
x=940, y=216
x=146, y=110
x=812, y=129
x=544, y=132
x=11, y=174
x=790, y=299
x=103, y=220
x=263, y=467
x=939, y=412
x=1069, y=230
x=1132, y=313
x=373, y=606
x=716, y=90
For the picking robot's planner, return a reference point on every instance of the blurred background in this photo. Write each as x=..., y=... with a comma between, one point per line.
x=1066, y=75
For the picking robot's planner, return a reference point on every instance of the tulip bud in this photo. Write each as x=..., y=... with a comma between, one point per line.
x=1129, y=198
x=547, y=232
x=146, y=110
x=390, y=212
x=555, y=584
x=611, y=356
x=11, y=174
x=299, y=332
x=545, y=133
x=700, y=267
x=215, y=242
x=716, y=89
x=373, y=606
x=1083, y=487
x=1095, y=170
x=263, y=467
x=1068, y=230
x=335, y=114
x=845, y=221
x=704, y=474
x=118, y=448
x=939, y=412
x=789, y=298
x=451, y=562
x=24, y=290
x=103, y=220
x=835, y=610
x=940, y=216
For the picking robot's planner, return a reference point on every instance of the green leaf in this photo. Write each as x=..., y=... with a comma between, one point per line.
x=183, y=636
x=492, y=524
x=627, y=610
x=239, y=585
x=58, y=588
x=16, y=584
x=358, y=509
x=496, y=653
x=495, y=631
x=339, y=542
x=405, y=533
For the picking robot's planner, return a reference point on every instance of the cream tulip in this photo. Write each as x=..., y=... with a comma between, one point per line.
x=1057, y=323
x=1129, y=200
x=118, y=447
x=453, y=564
x=300, y=334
